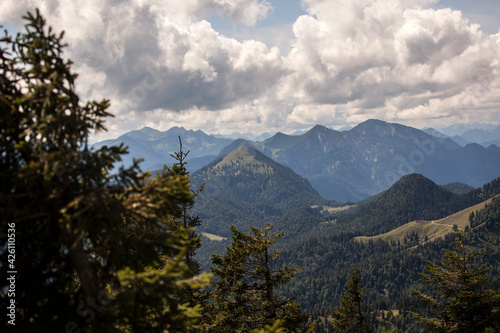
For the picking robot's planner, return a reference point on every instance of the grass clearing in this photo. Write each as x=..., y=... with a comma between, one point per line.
x=331, y=210
x=430, y=229
x=213, y=237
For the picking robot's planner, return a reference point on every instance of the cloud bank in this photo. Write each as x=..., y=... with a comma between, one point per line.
x=163, y=64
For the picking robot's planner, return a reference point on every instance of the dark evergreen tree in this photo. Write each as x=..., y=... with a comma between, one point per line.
x=244, y=295
x=459, y=302
x=94, y=250
x=348, y=317
x=187, y=221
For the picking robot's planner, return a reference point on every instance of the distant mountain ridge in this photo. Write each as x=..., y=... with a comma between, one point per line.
x=355, y=164
x=344, y=166
x=487, y=136
x=247, y=136
x=482, y=136
x=156, y=146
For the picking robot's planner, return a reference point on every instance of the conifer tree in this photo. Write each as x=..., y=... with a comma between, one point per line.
x=348, y=317
x=243, y=296
x=188, y=222
x=94, y=251
x=459, y=300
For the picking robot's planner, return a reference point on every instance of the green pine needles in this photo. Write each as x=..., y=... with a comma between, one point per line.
x=460, y=302
x=98, y=250
x=349, y=317
x=244, y=293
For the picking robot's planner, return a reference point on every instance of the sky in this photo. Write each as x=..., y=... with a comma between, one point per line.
x=255, y=66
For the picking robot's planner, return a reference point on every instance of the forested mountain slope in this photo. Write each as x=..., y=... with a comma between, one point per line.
x=389, y=269
x=429, y=230
x=246, y=188
x=413, y=197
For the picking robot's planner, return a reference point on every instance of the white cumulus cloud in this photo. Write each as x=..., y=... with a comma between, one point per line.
x=163, y=63
x=396, y=60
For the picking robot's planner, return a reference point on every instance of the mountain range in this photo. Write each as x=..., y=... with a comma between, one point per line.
x=396, y=174
x=325, y=239
x=344, y=166
x=464, y=135
x=155, y=147
x=355, y=164
x=245, y=186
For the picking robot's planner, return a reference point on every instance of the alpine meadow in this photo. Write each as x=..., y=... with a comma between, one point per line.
x=381, y=227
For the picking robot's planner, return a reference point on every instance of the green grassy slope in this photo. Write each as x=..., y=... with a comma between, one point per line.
x=428, y=230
